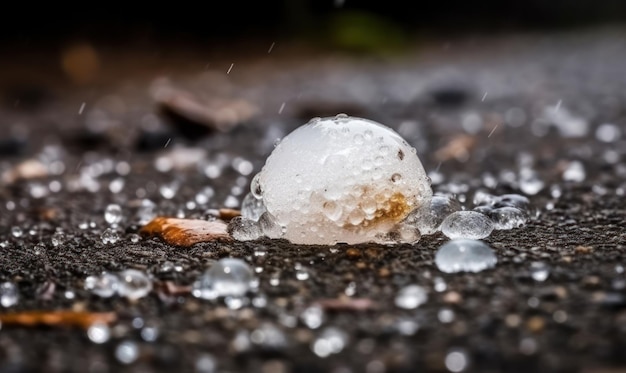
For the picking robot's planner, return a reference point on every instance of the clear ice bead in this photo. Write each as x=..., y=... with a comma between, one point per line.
x=467, y=224
x=465, y=256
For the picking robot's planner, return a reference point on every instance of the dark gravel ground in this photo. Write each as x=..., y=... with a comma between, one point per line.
x=495, y=98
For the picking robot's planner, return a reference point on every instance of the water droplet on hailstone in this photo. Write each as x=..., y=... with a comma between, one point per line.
x=465, y=256
x=228, y=277
x=340, y=179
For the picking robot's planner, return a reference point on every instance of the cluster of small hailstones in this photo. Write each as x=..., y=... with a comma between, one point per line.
x=130, y=283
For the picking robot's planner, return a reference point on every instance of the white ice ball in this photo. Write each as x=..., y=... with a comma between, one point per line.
x=341, y=179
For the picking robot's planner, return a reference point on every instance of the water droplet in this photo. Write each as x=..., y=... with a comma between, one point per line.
x=150, y=333
x=9, y=294
x=227, y=277
x=465, y=256
x=575, y=172
x=99, y=333
x=127, y=352
x=134, y=284
x=456, y=360
x=255, y=187
x=269, y=337
x=145, y=212
x=539, y=271
x=57, y=239
x=243, y=229
x=608, y=133
x=428, y=218
x=252, y=207
x=445, y=315
x=330, y=341
x=531, y=184
x=269, y=226
x=407, y=326
x=467, y=224
x=109, y=236
x=410, y=297
x=206, y=363
x=105, y=285
x=16, y=232
x=312, y=317
x=508, y=218
x=113, y=214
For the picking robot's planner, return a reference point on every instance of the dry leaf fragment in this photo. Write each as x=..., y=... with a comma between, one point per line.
x=458, y=148
x=81, y=319
x=186, y=232
x=218, y=114
x=347, y=304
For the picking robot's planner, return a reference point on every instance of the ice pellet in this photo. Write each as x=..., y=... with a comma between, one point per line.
x=228, y=277
x=467, y=224
x=465, y=256
x=340, y=179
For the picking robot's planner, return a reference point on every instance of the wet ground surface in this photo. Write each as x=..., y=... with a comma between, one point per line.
x=537, y=115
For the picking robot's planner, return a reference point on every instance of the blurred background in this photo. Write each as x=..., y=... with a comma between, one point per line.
x=300, y=20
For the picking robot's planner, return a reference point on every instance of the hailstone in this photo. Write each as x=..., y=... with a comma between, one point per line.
x=341, y=179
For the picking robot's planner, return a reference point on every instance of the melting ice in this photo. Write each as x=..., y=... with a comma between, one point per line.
x=341, y=179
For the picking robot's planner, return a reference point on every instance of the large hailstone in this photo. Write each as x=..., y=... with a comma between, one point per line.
x=341, y=179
